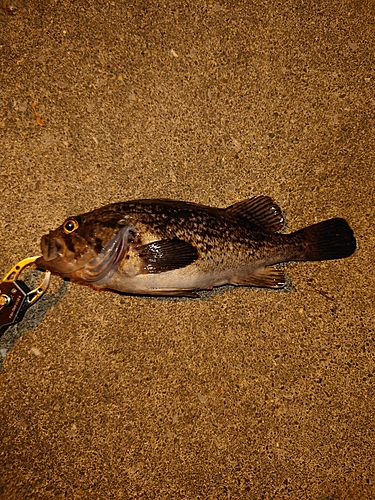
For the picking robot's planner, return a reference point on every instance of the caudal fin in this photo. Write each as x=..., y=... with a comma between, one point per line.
x=330, y=239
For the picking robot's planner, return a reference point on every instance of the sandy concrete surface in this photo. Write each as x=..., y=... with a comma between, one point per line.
x=244, y=393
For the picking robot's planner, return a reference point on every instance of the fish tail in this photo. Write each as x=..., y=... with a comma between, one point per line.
x=330, y=239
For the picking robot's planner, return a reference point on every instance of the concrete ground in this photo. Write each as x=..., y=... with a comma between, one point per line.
x=244, y=393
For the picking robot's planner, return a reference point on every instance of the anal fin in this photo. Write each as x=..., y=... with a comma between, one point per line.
x=270, y=277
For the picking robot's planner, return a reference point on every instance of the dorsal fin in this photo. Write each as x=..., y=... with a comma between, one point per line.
x=260, y=211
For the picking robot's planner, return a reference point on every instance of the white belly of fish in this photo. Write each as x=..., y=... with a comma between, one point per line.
x=177, y=280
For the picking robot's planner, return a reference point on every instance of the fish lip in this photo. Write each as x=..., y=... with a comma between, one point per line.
x=41, y=263
x=49, y=248
x=54, y=265
x=54, y=259
x=49, y=253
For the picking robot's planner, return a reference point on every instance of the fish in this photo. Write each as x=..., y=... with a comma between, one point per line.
x=176, y=248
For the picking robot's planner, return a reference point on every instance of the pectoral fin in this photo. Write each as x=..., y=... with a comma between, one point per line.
x=270, y=277
x=166, y=255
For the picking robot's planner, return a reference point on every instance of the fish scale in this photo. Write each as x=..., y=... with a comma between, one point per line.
x=167, y=247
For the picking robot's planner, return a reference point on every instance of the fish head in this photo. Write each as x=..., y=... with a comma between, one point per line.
x=87, y=247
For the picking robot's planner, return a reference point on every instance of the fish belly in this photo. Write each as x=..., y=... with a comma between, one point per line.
x=166, y=282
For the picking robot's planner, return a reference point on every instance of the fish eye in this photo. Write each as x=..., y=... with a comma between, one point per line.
x=70, y=225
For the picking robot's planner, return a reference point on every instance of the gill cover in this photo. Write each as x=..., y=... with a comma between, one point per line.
x=105, y=264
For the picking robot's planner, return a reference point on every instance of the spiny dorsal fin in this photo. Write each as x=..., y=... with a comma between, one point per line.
x=166, y=255
x=260, y=211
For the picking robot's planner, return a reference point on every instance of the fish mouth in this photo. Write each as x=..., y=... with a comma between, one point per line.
x=55, y=256
x=50, y=248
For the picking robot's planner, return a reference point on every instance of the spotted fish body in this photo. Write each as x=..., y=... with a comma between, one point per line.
x=166, y=247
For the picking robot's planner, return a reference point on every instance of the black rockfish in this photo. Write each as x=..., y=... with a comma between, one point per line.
x=165, y=247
